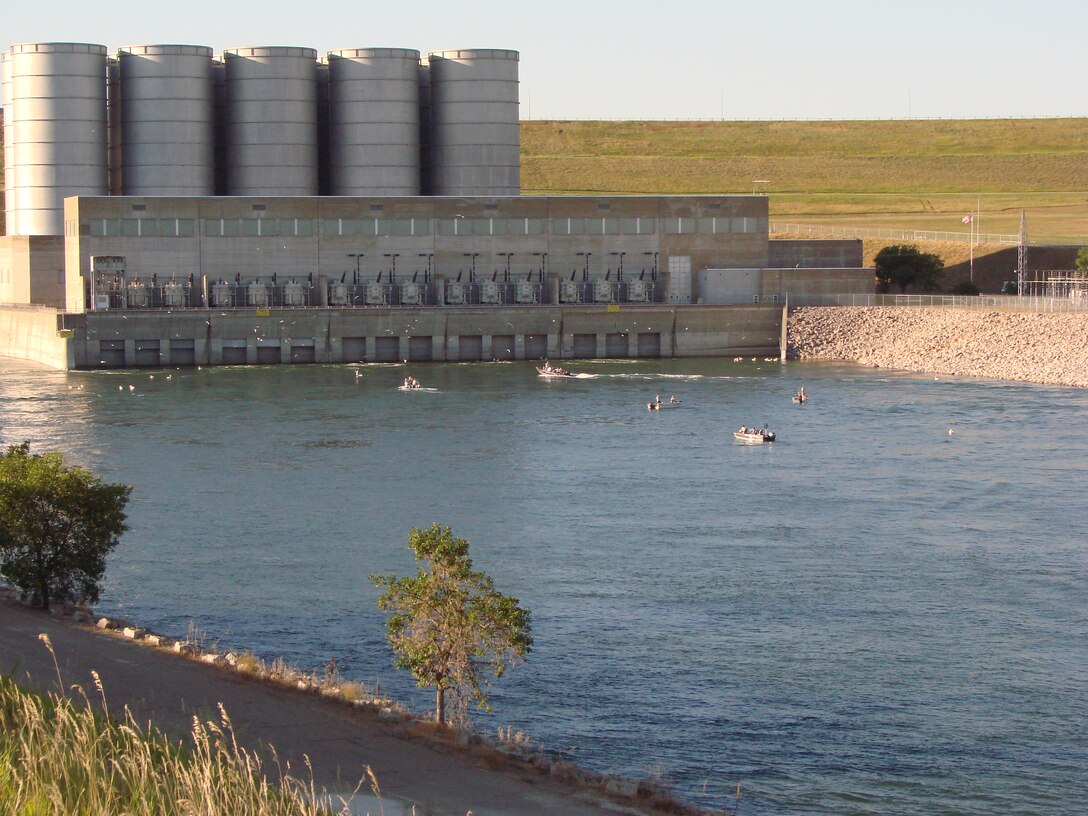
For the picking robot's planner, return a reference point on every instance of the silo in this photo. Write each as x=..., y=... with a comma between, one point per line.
x=475, y=142
x=424, y=78
x=167, y=137
x=9, y=148
x=58, y=92
x=271, y=121
x=374, y=122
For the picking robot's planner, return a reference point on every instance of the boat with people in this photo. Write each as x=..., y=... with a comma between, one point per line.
x=757, y=435
x=412, y=384
x=657, y=404
x=549, y=370
x=800, y=397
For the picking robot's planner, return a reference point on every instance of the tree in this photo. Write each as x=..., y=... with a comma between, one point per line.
x=904, y=265
x=57, y=525
x=1082, y=259
x=448, y=625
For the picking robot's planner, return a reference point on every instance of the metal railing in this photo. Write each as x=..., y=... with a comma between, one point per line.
x=998, y=303
x=893, y=234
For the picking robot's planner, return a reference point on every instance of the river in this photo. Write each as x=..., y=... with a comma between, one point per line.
x=883, y=612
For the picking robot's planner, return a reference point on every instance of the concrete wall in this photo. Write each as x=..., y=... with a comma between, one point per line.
x=213, y=337
x=32, y=334
x=218, y=237
x=780, y=282
x=830, y=253
x=32, y=270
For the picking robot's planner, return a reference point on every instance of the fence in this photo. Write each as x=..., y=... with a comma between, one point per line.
x=893, y=234
x=992, y=303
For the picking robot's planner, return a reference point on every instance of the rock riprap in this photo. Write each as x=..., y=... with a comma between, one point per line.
x=1030, y=347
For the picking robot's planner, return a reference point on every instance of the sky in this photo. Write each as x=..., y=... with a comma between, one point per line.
x=663, y=59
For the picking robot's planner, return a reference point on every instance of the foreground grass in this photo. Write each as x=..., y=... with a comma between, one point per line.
x=60, y=757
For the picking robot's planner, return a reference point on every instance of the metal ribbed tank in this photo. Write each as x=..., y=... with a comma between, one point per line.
x=9, y=148
x=167, y=138
x=271, y=121
x=58, y=94
x=475, y=140
x=374, y=122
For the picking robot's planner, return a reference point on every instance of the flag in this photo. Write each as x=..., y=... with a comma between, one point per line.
x=967, y=219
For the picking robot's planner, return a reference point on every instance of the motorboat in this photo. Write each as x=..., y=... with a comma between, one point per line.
x=548, y=370
x=800, y=397
x=756, y=435
x=415, y=388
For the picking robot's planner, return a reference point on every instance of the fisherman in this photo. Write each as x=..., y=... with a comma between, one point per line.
x=673, y=399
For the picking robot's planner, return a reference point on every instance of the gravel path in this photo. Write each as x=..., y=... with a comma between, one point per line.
x=1039, y=348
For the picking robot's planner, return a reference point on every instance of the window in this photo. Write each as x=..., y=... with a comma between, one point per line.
x=647, y=226
x=394, y=226
x=331, y=226
x=421, y=226
x=594, y=226
x=113, y=227
x=448, y=226
x=577, y=226
x=736, y=225
x=560, y=226
x=629, y=226
x=704, y=226
x=232, y=227
x=304, y=227
x=185, y=228
x=251, y=227
x=481, y=226
x=98, y=227
x=534, y=226
x=130, y=227
x=611, y=226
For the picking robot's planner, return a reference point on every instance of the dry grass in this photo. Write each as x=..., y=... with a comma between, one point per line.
x=58, y=756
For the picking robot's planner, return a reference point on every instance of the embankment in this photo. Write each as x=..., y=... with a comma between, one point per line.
x=1040, y=348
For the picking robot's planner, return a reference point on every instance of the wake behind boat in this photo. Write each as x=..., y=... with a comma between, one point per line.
x=756, y=435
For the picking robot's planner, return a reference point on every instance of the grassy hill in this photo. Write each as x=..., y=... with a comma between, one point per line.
x=910, y=174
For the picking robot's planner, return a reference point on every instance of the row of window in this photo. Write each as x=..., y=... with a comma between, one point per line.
x=385, y=227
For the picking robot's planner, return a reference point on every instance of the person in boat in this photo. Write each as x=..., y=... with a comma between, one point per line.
x=742, y=429
x=673, y=399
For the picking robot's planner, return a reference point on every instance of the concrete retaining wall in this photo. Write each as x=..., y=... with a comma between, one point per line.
x=31, y=334
x=251, y=336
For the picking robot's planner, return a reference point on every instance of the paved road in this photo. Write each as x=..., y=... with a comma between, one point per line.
x=340, y=742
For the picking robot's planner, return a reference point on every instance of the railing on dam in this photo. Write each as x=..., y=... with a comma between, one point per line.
x=999, y=303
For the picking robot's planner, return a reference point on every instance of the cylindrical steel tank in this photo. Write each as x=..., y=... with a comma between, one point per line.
x=167, y=137
x=475, y=140
x=58, y=94
x=424, y=77
x=271, y=121
x=374, y=122
x=9, y=148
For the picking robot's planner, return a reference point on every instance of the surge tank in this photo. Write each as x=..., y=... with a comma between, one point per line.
x=58, y=130
x=373, y=122
x=9, y=148
x=271, y=121
x=475, y=139
x=166, y=120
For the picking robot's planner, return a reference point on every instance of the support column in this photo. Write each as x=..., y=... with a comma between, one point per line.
x=555, y=345
x=519, y=346
x=164, y=351
x=130, y=354
x=485, y=351
x=601, y=345
x=251, y=351
x=402, y=347
x=370, y=350
x=632, y=344
x=453, y=348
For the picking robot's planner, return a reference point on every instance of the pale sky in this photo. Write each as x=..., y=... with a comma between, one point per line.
x=663, y=59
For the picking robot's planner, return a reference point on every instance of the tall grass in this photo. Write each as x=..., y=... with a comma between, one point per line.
x=58, y=756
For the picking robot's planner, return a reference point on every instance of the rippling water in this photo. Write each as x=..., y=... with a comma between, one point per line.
x=870, y=616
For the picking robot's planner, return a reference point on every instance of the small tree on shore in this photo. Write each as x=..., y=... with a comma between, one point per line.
x=57, y=525
x=1082, y=259
x=449, y=626
x=904, y=265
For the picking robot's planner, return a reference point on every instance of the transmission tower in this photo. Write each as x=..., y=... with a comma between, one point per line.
x=1022, y=253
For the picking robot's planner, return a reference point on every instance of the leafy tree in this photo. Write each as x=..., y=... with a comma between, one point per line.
x=904, y=265
x=1082, y=259
x=57, y=525
x=448, y=625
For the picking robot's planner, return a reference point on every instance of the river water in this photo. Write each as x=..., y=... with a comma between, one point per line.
x=883, y=612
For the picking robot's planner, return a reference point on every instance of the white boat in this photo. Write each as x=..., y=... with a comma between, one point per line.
x=657, y=406
x=552, y=371
x=415, y=388
x=755, y=435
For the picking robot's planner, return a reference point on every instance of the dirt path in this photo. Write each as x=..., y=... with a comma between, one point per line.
x=340, y=742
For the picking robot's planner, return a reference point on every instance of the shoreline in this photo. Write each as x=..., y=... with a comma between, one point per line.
x=1042, y=348
x=513, y=754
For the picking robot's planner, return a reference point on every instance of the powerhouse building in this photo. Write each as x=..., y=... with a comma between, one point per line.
x=164, y=204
